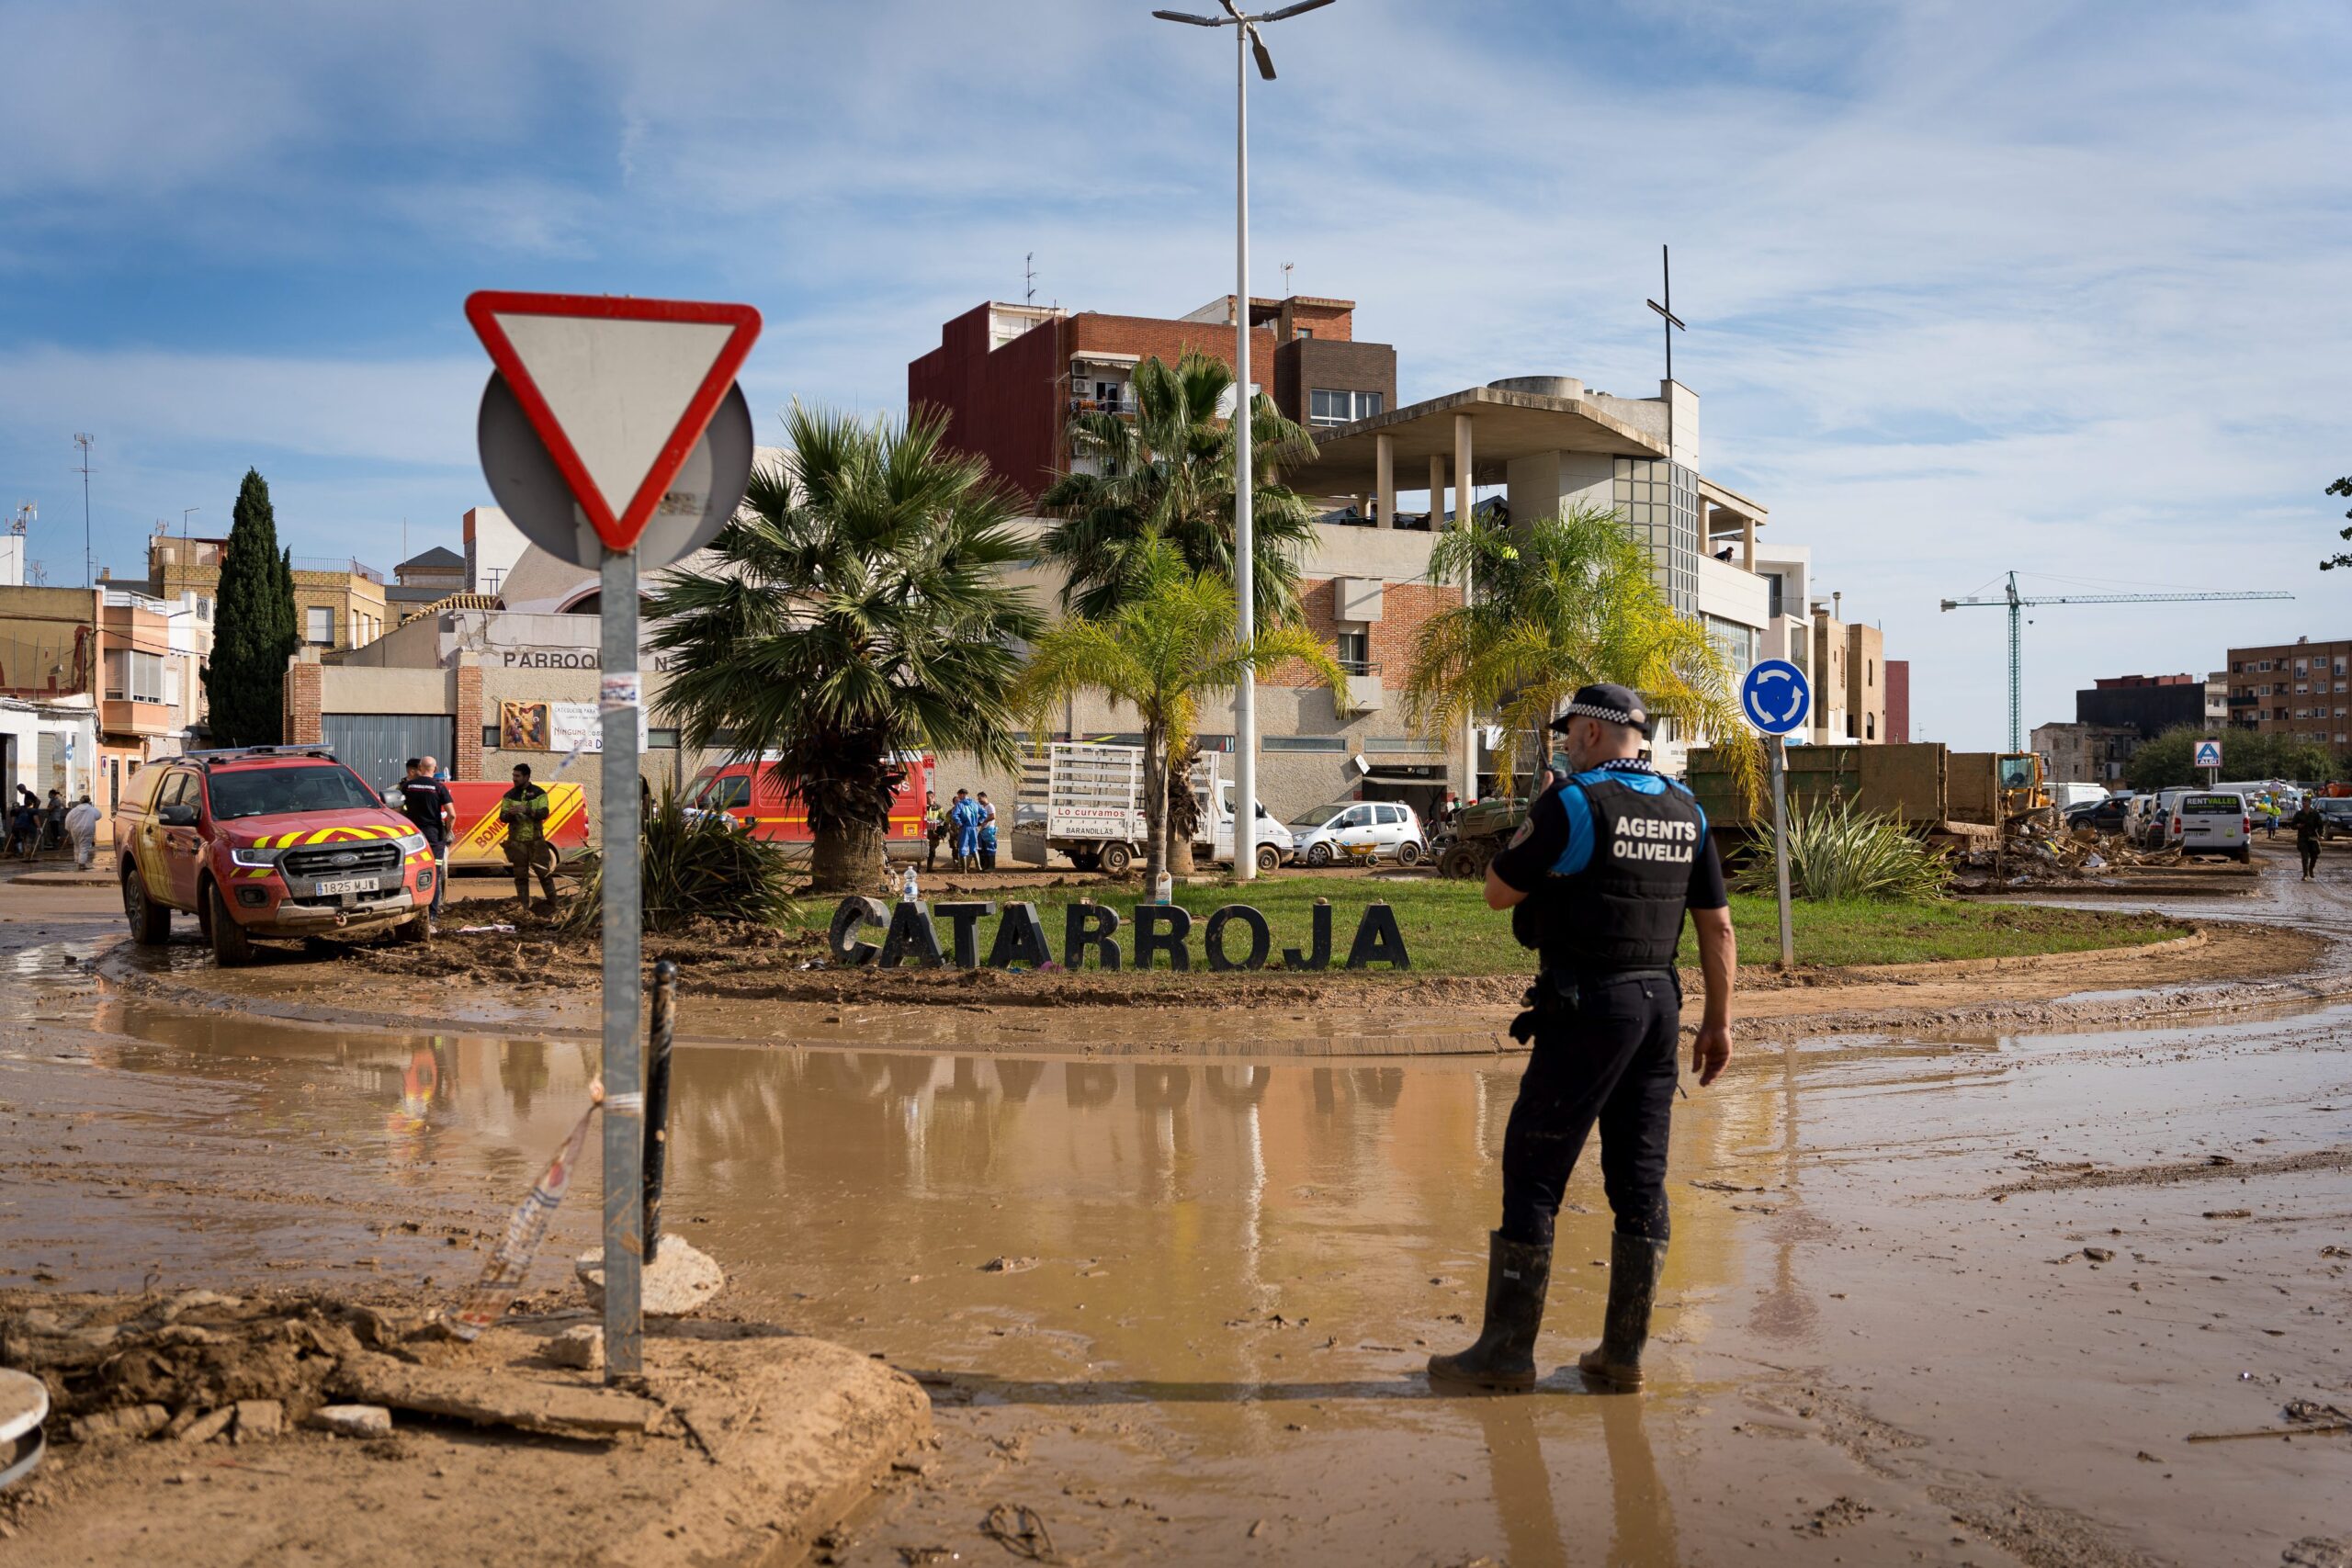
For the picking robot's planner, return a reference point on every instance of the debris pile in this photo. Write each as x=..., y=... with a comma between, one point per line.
x=197, y=1366
x=2032, y=854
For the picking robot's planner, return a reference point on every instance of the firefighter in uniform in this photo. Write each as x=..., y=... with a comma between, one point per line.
x=1597, y=881
x=524, y=809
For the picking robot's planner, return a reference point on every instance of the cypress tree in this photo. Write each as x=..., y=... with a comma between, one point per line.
x=253, y=633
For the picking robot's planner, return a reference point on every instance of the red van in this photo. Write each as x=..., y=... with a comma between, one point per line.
x=754, y=794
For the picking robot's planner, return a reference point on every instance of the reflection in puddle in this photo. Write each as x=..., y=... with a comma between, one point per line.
x=1226, y=1272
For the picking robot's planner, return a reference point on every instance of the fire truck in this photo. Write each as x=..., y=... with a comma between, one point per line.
x=755, y=795
x=478, y=837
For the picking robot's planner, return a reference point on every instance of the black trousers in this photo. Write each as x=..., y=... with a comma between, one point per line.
x=2309, y=850
x=1608, y=1063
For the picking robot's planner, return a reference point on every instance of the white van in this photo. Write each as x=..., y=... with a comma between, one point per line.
x=1273, y=838
x=2066, y=797
x=2204, y=822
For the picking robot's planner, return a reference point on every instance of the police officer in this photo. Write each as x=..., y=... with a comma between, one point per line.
x=1597, y=879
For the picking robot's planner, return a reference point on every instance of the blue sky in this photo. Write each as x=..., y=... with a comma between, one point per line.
x=1971, y=286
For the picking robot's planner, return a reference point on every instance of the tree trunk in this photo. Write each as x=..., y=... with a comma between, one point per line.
x=1183, y=812
x=1154, y=805
x=845, y=858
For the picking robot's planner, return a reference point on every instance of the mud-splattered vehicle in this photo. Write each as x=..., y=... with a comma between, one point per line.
x=266, y=841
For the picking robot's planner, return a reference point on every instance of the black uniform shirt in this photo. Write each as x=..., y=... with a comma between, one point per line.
x=1557, y=841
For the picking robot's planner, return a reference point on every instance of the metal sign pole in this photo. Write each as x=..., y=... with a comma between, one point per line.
x=1780, y=845
x=617, y=700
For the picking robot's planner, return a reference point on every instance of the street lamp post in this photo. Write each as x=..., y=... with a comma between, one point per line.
x=1246, y=42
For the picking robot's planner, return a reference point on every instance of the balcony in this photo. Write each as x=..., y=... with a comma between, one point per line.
x=119, y=715
x=1364, y=692
x=1123, y=407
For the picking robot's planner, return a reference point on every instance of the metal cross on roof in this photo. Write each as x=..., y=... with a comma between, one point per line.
x=1673, y=323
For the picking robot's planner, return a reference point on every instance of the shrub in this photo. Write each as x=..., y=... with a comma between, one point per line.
x=1837, y=854
x=694, y=863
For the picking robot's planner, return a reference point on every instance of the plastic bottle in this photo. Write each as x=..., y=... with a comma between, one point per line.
x=909, y=893
x=1163, y=891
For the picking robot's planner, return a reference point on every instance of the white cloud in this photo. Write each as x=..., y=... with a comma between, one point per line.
x=1971, y=286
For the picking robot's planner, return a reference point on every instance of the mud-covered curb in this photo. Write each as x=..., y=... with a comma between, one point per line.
x=1444, y=1015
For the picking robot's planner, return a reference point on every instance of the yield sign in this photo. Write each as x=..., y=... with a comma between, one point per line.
x=619, y=389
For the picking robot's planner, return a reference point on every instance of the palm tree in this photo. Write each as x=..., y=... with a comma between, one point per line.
x=1557, y=604
x=1167, y=474
x=1171, y=643
x=857, y=610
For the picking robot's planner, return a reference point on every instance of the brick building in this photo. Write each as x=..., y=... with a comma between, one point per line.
x=2302, y=688
x=1010, y=377
x=1898, y=701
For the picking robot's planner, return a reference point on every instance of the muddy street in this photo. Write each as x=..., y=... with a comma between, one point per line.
x=1933, y=1297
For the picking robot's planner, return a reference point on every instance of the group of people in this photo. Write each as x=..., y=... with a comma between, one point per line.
x=34, y=826
x=426, y=800
x=968, y=824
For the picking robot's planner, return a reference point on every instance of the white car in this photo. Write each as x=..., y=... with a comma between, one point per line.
x=1358, y=830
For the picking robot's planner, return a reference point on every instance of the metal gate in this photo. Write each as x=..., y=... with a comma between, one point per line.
x=377, y=746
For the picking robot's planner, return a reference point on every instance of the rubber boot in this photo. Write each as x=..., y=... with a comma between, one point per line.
x=1634, y=1264
x=1504, y=1356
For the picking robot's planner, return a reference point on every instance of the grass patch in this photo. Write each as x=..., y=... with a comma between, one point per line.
x=1449, y=929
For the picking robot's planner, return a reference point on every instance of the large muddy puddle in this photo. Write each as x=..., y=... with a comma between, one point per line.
x=1182, y=1308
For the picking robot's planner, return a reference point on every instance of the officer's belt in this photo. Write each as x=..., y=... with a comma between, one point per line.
x=1558, y=991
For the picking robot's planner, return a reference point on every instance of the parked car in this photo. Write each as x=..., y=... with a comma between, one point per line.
x=1357, y=830
x=2106, y=815
x=267, y=843
x=2205, y=822
x=2334, y=815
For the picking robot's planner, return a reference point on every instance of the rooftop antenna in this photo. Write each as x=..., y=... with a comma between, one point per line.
x=22, y=521
x=82, y=440
x=1029, y=277
x=1286, y=266
x=187, y=513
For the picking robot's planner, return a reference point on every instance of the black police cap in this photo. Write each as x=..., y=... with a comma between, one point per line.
x=1610, y=703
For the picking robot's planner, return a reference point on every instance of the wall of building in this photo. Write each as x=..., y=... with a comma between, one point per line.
x=1831, y=689
x=45, y=746
x=1003, y=405
x=2302, y=688
x=2086, y=753
x=1302, y=366
x=1898, y=701
x=2148, y=705
x=1865, y=685
x=48, y=641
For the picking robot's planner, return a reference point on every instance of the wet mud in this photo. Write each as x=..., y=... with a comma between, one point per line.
x=1935, y=1297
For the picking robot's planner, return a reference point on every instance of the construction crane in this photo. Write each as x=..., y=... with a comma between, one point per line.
x=2016, y=604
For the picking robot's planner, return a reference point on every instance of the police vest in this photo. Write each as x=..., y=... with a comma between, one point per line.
x=1622, y=907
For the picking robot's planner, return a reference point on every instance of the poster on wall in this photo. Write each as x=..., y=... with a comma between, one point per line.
x=581, y=727
x=523, y=726
x=560, y=727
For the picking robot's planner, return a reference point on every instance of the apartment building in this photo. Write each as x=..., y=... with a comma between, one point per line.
x=1010, y=377
x=338, y=601
x=2086, y=753
x=130, y=662
x=2302, y=688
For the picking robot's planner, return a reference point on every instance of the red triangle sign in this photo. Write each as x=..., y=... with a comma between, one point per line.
x=619, y=389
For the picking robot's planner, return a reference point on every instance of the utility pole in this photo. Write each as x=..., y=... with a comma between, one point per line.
x=1246, y=43
x=89, y=570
